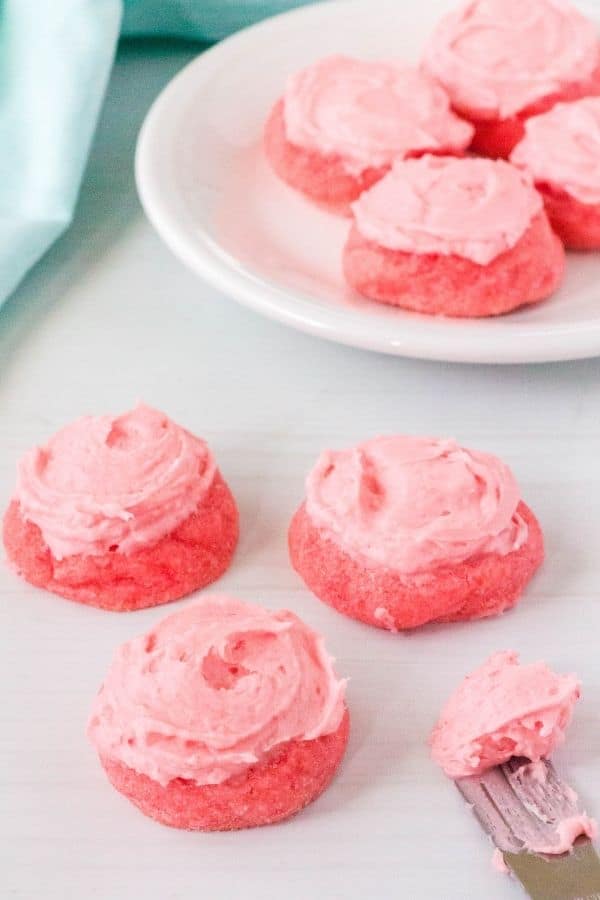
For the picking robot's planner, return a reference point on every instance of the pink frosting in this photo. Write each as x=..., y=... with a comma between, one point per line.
x=113, y=483
x=562, y=148
x=413, y=504
x=567, y=832
x=498, y=862
x=503, y=709
x=369, y=113
x=474, y=208
x=212, y=689
x=496, y=57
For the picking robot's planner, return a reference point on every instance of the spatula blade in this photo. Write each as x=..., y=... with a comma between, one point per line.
x=570, y=876
x=520, y=805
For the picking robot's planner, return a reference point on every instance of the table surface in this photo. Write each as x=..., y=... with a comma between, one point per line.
x=110, y=317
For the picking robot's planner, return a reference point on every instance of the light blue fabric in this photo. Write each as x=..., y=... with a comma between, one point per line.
x=207, y=20
x=55, y=59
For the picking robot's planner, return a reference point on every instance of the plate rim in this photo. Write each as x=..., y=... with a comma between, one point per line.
x=582, y=339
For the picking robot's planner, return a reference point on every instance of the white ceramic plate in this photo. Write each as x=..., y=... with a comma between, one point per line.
x=208, y=191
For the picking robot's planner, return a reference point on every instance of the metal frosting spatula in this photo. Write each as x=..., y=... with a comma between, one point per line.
x=525, y=805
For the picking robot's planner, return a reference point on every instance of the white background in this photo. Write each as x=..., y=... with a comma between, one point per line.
x=110, y=317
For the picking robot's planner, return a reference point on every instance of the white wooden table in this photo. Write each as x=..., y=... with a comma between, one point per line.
x=110, y=317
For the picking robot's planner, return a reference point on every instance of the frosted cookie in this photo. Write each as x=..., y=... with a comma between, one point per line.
x=121, y=512
x=224, y=716
x=561, y=152
x=502, y=61
x=342, y=122
x=400, y=531
x=454, y=237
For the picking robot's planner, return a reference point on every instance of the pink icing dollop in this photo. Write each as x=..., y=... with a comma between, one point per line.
x=473, y=208
x=562, y=148
x=496, y=57
x=212, y=689
x=503, y=709
x=567, y=832
x=369, y=113
x=498, y=862
x=107, y=483
x=414, y=504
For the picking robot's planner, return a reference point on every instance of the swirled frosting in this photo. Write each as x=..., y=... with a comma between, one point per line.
x=562, y=148
x=413, y=504
x=503, y=709
x=369, y=113
x=474, y=208
x=211, y=689
x=113, y=482
x=496, y=57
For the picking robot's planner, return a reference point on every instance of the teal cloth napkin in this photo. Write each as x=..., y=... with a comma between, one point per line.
x=55, y=59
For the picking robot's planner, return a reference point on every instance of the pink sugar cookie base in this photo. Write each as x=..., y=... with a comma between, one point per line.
x=322, y=178
x=485, y=585
x=193, y=555
x=498, y=137
x=291, y=777
x=577, y=224
x=452, y=285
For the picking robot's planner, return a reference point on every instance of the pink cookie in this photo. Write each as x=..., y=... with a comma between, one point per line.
x=400, y=531
x=121, y=513
x=290, y=778
x=502, y=61
x=454, y=237
x=225, y=716
x=561, y=152
x=342, y=122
